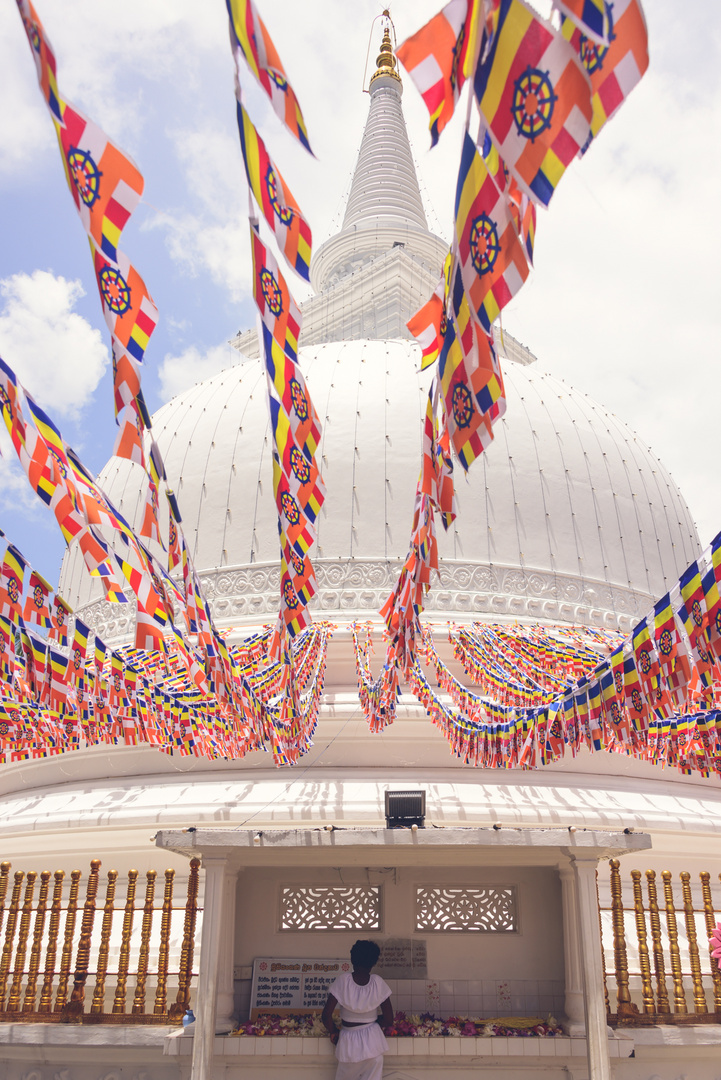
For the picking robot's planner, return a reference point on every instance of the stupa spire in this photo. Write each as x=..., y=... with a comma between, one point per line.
x=385, y=209
x=386, y=62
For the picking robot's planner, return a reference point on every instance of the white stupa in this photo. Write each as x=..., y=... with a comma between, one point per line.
x=567, y=518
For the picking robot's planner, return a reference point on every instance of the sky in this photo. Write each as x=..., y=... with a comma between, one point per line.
x=623, y=302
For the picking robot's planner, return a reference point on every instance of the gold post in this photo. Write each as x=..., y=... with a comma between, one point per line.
x=699, y=997
x=658, y=960
x=139, y=999
x=46, y=994
x=124, y=959
x=679, y=997
x=34, y=966
x=5, y=868
x=181, y=1003
x=106, y=929
x=14, y=996
x=10, y=934
x=74, y=1009
x=624, y=1005
x=649, y=1005
x=67, y=953
x=603, y=950
x=161, y=990
x=710, y=918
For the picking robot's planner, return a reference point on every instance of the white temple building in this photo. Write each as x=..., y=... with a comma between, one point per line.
x=568, y=519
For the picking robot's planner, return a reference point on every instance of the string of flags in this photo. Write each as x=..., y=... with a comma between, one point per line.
x=297, y=484
x=541, y=91
x=62, y=687
x=106, y=187
x=654, y=694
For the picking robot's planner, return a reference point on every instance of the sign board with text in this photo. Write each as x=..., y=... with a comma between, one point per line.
x=292, y=986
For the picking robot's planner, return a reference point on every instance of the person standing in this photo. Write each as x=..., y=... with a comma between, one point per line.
x=360, y=1043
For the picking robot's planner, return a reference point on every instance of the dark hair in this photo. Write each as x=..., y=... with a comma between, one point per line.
x=364, y=954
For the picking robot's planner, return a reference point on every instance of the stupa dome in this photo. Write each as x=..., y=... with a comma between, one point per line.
x=568, y=516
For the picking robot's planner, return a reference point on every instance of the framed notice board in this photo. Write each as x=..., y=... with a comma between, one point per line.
x=292, y=986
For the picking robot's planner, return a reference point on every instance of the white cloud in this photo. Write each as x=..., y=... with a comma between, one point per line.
x=179, y=373
x=57, y=355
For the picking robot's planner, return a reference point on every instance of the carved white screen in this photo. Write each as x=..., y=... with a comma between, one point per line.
x=492, y=909
x=330, y=907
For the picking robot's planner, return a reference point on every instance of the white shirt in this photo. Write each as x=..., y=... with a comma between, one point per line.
x=359, y=1004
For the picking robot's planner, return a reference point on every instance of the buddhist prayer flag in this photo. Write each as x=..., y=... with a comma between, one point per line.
x=536, y=98
x=12, y=577
x=278, y=310
x=43, y=56
x=105, y=184
x=37, y=606
x=428, y=325
x=250, y=38
x=273, y=197
x=289, y=387
x=174, y=551
x=591, y=16
x=493, y=263
x=434, y=58
x=614, y=66
x=129, y=440
x=128, y=308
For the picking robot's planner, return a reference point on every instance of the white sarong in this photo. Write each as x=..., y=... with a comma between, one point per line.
x=360, y=1053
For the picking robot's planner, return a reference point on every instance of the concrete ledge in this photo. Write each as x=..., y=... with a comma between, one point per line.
x=79, y=1035
x=453, y=1049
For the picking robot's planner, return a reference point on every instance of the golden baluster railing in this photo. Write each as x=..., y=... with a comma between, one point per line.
x=13, y=1001
x=699, y=997
x=10, y=925
x=67, y=953
x=46, y=994
x=649, y=1005
x=5, y=868
x=105, y=932
x=710, y=919
x=659, y=964
x=624, y=1006
x=603, y=950
x=74, y=1009
x=124, y=958
x=178, y=1008
x=143, y=956
x=679, y=997
x=37, y=946
x=161, y=990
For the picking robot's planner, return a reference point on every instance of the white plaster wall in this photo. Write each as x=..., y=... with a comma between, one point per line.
x=467, y=969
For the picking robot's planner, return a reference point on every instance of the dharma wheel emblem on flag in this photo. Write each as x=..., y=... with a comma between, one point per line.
x=644, y=661
x=636, y=701
x=665, y=642
x=300, y=401
x=615, y=712
x=35, y=37
x=484, y=244
x=77, y=659
x=13, y=591
x=284, y=212
x=38, y=597
x=278, y=79
x=533, y=101
x=556, y=729
x=299, y=465
x=271, y=292
x=696, y=613
x=58, y=462
x=592, y=55
x=4, y=399
x=290, y=508
x=4, y=729
x=85, y=173
x=115, y=290
x=297, y=562
x=618, y=682
x=461, y=405
x=289, y=594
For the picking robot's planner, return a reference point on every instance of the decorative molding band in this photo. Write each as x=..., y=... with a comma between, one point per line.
x=245, y=595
